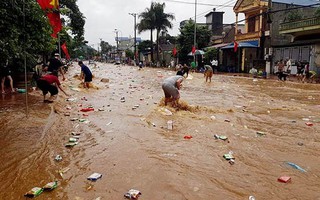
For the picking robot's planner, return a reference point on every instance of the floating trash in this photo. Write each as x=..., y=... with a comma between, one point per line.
x=260, y=133
x=50, y=186
x=58, y=158
x=296, y=166
x=34, y=192
x=132, y=194
x=94, y=177
x=170, y=124
x=71, y=144
x=284, y=179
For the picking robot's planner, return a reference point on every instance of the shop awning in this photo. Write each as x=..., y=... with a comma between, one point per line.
x=217, y=45
x=242, y=45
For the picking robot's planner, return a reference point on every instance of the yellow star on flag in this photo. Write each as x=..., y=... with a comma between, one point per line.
x=54, y=3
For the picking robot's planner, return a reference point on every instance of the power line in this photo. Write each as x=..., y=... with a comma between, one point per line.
x=192, y=3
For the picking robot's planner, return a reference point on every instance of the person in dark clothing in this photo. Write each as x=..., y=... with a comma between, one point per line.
x=5, y=73
x=85, y=74
x=55, y=66
x=49, y=83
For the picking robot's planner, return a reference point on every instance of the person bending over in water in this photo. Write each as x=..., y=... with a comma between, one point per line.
x=171, y=87
x=49, y=83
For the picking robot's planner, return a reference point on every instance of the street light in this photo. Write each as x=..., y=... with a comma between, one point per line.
x=135, y=35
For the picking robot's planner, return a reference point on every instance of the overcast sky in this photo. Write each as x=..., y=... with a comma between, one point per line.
x=104, y=16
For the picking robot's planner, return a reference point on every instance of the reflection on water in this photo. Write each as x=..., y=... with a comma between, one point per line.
x=127, y=140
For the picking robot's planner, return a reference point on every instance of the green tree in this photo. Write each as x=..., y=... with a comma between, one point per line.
x=186, y=39
x=162, y=21
x=147, y=22
x=24, y=32
x=129, y=53
x=211, y=54
x=105, y=47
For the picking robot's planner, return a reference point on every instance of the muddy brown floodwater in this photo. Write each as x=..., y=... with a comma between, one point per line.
x=266, y=122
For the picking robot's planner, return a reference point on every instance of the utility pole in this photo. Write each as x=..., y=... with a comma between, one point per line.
x=135, y=35
x=100, y=48
x=116, y=30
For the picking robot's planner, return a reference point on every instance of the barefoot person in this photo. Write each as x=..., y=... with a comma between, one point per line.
x=49, y=83
x=85, y=74
x=171, y=87
x=208, y=72
x=5, y=73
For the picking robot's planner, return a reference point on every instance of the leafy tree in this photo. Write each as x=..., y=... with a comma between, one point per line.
x=186, y=39
x=161, y=21
x=129, y=53
x=25, y=31
x=211, y=54
x=147, y=22
x=105, y=47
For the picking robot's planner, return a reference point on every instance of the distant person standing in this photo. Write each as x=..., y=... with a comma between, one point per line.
x=171, y=87
x=5, y=73
x=85, y=74
x=55, y=66
x=208, y=72
x=281, y=68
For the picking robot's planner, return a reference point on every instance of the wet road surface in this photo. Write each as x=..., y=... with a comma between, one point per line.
x=266, y=122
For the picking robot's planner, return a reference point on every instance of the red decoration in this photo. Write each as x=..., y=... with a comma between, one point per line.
x=174, y=51
x=65, y=50
x=235, y=48
x=193, y=49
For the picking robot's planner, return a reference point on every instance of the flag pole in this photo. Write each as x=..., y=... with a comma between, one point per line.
x=59, y=45
x=25, y=59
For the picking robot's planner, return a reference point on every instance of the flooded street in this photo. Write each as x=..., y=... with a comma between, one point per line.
x=269, y=124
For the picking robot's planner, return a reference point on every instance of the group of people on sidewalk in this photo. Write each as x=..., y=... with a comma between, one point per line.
x=304, y=74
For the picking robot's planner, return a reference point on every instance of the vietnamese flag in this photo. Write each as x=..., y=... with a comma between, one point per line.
x=48, y=4
x=174, y=51
x=193, y=49
x=52, y=10
x=235, y=47
x=65, y=50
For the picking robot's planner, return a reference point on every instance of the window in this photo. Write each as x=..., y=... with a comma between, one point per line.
x=251, y=24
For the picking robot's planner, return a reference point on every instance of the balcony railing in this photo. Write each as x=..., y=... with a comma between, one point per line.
x=299, y=24
x=246, y=36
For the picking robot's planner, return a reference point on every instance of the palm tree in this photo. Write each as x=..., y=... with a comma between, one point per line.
x=161, y=21
x=147, y=23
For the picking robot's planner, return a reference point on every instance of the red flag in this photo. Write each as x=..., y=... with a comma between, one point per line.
x=174, y=51
x=235, y=47
x=52, y=10
x=193, y=49
x=55, y=22
x=65, y=50
x=48, y=4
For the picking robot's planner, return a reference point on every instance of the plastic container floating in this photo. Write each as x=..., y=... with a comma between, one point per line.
x=170, y=124
x=132, y=194
x=36, y=191
x=94, y=176
x=21, y=90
